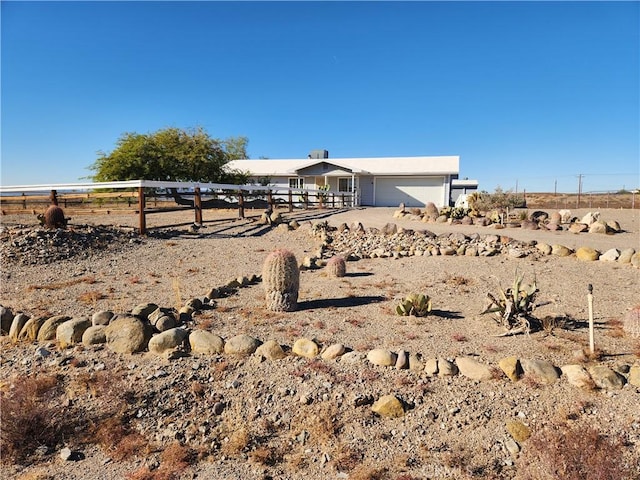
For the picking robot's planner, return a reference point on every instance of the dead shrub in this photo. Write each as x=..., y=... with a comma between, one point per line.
x=32, y=417
x=572, y=452
x=115, y=436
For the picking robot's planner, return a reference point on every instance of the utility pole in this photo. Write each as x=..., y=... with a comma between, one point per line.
x=579, y=189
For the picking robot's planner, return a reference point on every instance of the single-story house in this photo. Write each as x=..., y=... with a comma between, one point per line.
x=380, y=181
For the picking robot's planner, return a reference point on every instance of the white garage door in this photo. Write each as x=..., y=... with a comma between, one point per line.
x=412, y=191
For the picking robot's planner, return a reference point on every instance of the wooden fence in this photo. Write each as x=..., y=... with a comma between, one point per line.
x=144, y=197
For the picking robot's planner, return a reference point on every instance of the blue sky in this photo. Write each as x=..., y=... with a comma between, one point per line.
x=526, y=92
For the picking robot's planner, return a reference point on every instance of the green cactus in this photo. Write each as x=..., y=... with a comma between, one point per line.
x=281, y=280
x=513, y=309
x=415, y=304
x=336, y=267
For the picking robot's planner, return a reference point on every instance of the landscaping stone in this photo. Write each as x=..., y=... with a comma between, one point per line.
x=431, y=366
x=333, y=351
x=606, y=378
x=610, y=255
x=587, y=254
x=6, y=317
x=271, y=350
x=205, y=343
x=167, y=341
x=241, y=345
x=30, y=330
x=626, y=255
x=70, y=332
x=48, y=329
x=382, y=357
x=94, y=335
x=303, y=347
x=577, y=376
x=634, y=376
x=446, y=368
x=388, y=406
x=402, y=360
x=16, y=325
x=102, y=317
x=542, y=370
x=127, y=334
x=143, y=310
x=471, y=368
x=511, y=368
x=560, y=250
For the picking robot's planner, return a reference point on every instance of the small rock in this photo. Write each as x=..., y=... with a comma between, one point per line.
x=446, y=368
x=599, y=227
x=241, y=345
x=388, y=406
x=511, y=368
x=431, y=366
x=473, y=369
x=511, y=446
x=544, y=248
x=271, y=350
x=102, y=317
x=382, y=357
x=544, y=371
x=577, y=227
x=205, y=343
x=333, y=351
x=402, y=360
x=610, y=255
x=165, y=341
x=606, y=378
x=577, y=376
x=94, y=335
x=70, y=332
x=352, y=357
x=143, y=310
x=587, y=254
x=303, y=347
x=626, y=255
x=560, y=251
x=65, y=454
x=415, y=363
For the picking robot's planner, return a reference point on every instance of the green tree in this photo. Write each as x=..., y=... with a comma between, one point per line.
x=172, y=154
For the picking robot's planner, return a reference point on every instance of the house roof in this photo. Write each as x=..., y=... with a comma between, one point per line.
x=440, y=165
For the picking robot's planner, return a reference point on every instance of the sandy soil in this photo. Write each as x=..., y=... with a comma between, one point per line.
x=453, y=428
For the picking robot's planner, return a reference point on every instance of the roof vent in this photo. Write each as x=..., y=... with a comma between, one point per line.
x=319, y=154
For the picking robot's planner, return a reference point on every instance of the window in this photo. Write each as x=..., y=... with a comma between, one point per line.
x=297, y=182
x=345, y=184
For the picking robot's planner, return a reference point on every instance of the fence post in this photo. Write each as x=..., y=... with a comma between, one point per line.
x=240, y=204
x=53, y=197
x=343, y=204
x=197, y=205
x=290, y=201
x=333, y=200
x=141, y=207
x=306, y=200
x=270, y=200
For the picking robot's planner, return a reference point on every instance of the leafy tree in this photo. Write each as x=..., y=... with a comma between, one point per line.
x=172, y=154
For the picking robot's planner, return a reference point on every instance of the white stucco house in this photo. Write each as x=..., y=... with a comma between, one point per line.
x=379, y=181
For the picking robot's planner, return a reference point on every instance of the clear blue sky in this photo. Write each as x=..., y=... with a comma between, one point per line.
x=531, y=92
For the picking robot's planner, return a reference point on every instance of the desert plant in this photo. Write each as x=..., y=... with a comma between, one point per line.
x=336, y=266
x=573, y=452
x=281, y=279
x=32, y=418
x=513, y=308
x=416, y=304
x=54, y=217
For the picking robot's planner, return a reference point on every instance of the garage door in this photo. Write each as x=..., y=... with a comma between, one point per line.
x=412, y=191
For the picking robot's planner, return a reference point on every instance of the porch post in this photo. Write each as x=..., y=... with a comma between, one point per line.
x=290, y=201
x=141, y=207
x=197, y=206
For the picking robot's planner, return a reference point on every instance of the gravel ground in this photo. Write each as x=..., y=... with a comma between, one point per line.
x=300, y=418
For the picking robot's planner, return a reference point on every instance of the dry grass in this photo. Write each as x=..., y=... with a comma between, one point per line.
x=32, y=416
x=91, y=297
x=459, y=337
x=573, y=452
x=174, y=460
x=115, y=436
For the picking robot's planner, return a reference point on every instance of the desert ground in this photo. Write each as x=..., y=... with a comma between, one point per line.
x=187, y=415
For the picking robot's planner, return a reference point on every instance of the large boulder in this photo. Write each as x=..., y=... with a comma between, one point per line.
x=127, y=334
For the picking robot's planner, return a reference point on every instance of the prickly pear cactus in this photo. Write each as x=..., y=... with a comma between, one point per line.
x=336, y=267
x=54, y=217
x=281, y=280
x=415, y=304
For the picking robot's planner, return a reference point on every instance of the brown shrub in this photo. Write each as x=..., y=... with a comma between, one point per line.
x=32, y=417
x=572, y=452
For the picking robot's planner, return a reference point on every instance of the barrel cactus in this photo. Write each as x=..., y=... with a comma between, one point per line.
x=415, y=304
x=336, y=266
x=54, y=217
x=281, y=280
